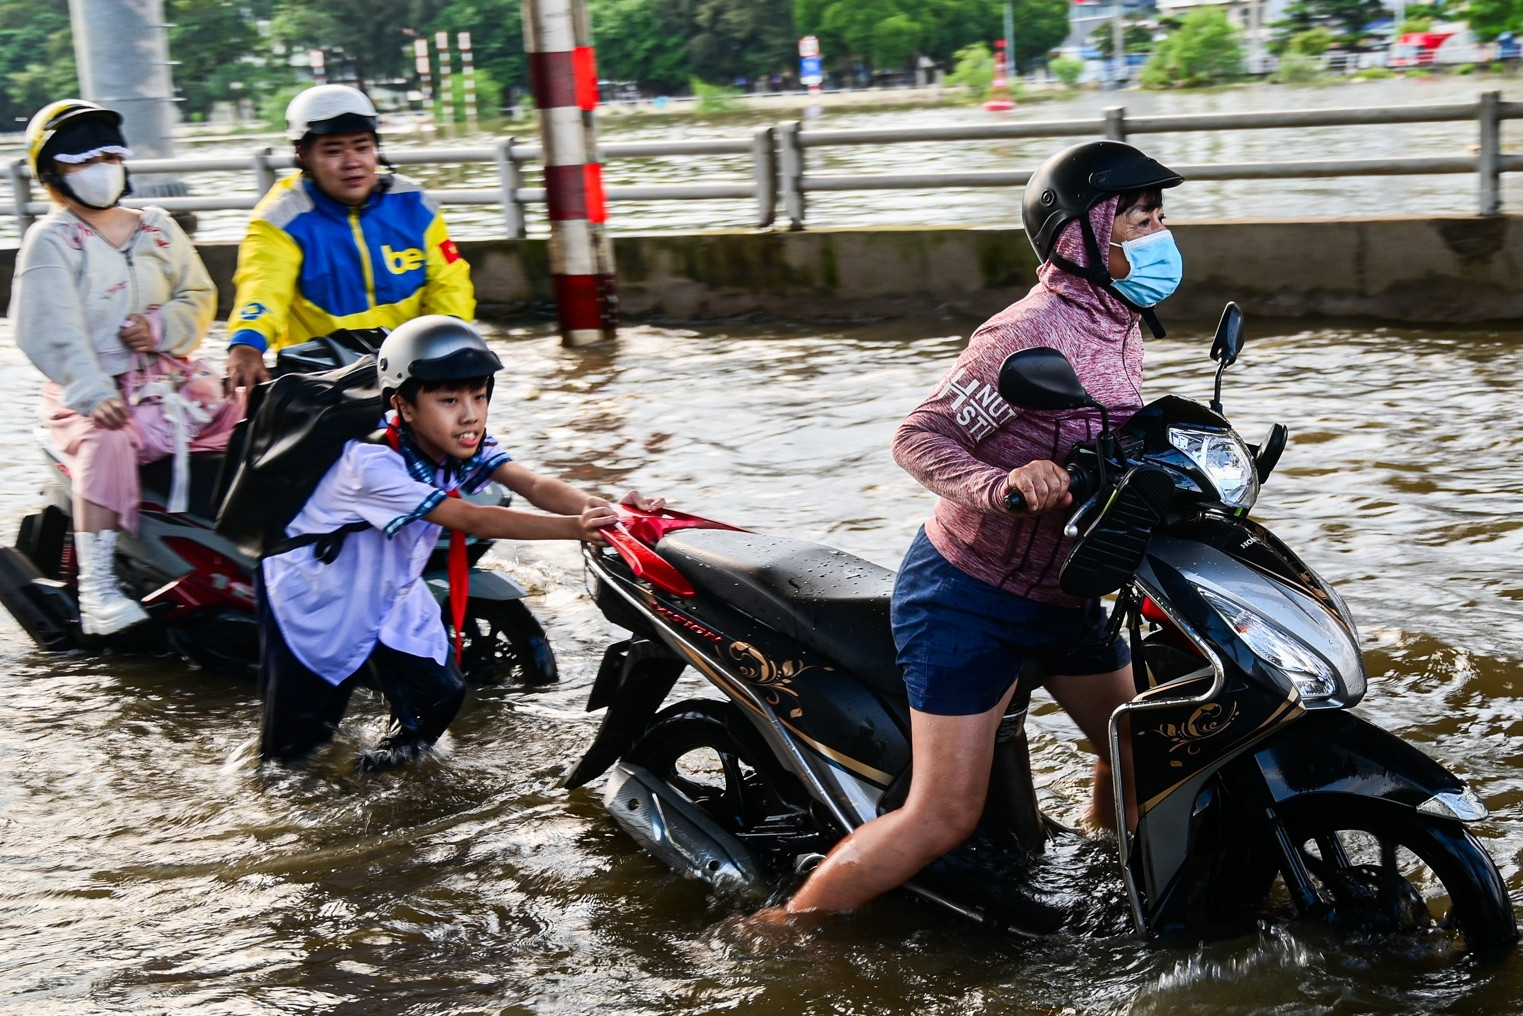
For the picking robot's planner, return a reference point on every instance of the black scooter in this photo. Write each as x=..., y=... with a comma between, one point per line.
x=1257, y=789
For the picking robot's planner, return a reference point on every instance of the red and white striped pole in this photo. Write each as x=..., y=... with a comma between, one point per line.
x=563, y=74
x=468, y=78
x=446, y=85
x=420, y=51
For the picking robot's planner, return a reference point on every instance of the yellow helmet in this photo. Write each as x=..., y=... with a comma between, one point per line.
x=48, y=121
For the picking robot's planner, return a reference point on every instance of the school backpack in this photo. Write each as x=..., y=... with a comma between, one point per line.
x=295, y=428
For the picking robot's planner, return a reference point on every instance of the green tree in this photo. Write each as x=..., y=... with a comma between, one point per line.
x=497, y=45
x=886, y=33
x=1206, y=49
x=1345, y=18
x=373, y=36
x=221, y=54
x=1040, y=27
x=732, y=39
x=641, y=41
x=36, y=57
x=1136, y=36
x=895, y=40
x=1490, y=18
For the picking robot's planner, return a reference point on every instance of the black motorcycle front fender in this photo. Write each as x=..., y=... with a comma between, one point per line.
x=1230, y=819
x=634, y=679
x=1333, y=752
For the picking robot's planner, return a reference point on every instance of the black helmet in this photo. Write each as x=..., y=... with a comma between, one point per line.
x=434, y=347
x=1076, y=179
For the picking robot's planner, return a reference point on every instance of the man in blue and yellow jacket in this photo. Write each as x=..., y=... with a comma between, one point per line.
x=339, y=245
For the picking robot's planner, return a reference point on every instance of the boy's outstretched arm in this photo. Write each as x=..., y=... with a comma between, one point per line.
x=576, y=515
x=495, y=523
x=552, y=495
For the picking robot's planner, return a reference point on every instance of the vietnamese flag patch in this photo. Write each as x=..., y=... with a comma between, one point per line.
x=450, y=251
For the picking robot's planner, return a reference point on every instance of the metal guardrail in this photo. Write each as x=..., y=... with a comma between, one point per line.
x=779, y=166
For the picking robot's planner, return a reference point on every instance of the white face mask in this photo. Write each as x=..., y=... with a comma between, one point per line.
x=100, y=185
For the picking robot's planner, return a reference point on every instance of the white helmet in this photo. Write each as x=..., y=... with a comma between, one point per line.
x=433, y=347
x=329, y=109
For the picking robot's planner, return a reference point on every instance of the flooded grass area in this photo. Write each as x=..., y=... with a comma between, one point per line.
x=147, y=865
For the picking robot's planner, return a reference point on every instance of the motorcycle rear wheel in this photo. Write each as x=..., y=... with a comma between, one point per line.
x=1387, y=870
x=708, y=752
x=502, y=639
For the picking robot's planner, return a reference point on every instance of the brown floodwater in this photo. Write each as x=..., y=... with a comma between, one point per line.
x=147, y=865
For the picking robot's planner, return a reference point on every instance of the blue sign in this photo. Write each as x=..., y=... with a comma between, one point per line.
x=809, y=70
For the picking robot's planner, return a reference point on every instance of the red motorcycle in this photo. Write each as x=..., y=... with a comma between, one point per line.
x=198, y=588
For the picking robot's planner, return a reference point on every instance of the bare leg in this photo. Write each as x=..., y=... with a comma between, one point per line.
x=952, y=758
x=90, y=517
x=1090, y=700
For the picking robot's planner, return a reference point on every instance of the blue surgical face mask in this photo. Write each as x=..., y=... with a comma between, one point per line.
x=1156, y=268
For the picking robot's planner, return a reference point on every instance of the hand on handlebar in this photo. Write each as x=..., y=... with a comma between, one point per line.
x=245, y=367
x=1037, y=487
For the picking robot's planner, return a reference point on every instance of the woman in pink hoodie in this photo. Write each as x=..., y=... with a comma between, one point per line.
x=978, y=595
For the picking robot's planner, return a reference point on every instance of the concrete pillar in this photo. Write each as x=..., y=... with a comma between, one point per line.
x=122, y=50
x=563, y=71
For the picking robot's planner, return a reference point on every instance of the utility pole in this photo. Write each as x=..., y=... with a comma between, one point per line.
x=122, y=52
x=563, y=73
x=1009, y=42
x=1118, y=44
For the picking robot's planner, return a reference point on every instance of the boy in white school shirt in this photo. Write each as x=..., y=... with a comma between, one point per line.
x=323, y=625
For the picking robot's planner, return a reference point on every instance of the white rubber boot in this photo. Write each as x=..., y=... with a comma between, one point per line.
x=102, y=607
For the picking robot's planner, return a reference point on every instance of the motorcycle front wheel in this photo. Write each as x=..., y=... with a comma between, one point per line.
x=708, y=752
x=1384, y=869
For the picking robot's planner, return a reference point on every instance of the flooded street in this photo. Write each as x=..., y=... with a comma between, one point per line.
x=146, y=866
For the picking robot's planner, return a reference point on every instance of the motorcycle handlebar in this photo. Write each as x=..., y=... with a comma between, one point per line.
x=1080, y=485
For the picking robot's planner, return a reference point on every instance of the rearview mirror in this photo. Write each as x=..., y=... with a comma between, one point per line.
x=1229, y=335
x=1041, y=378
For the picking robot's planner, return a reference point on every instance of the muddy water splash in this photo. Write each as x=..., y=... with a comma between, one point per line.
x=147, y=866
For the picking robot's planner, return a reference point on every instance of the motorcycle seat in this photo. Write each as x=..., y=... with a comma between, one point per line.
x=825, y=599
x=158, y=476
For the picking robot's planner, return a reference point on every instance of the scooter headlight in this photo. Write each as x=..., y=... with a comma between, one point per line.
x=1307, y=670
x=1224, y=459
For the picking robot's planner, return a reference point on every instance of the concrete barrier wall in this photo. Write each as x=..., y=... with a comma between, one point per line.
x=1454, y=270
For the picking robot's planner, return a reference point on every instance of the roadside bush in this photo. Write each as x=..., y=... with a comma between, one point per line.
x=272, y=108
x=1312, y=42
x=1204, y=50
x=973, y=69
x=1296, y=69
x=1066, y=69
x=1376, y=73
x=713, y=98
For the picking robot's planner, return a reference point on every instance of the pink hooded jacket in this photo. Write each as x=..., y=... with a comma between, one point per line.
x=963, y=440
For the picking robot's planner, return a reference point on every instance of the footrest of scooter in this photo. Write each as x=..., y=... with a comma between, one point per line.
x=1112, y=548
x=42, y=606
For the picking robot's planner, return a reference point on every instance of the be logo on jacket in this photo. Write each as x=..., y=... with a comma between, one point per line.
x=312, y=265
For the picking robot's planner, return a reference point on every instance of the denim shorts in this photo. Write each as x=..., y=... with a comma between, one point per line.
x=962, y=643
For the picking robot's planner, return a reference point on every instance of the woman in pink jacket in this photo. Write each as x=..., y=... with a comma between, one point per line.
x=977, y=594
x=107, y=303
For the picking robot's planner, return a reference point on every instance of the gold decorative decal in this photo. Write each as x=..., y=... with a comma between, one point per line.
x=774, y=679
x=1206, y=722
x=719, y=678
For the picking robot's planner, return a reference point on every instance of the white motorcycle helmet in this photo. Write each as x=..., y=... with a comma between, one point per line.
x=329, y=109
x=434, y=347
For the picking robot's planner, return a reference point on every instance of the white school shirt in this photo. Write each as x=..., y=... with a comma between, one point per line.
x=332, y=615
